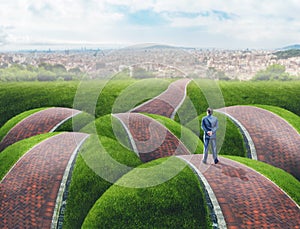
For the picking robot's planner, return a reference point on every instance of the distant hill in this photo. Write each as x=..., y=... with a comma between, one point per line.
x=151, y=46
x=296, y=46
x=158, y=46
x=287, y=53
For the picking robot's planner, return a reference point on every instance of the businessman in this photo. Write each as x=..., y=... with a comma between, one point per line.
x=209, y=124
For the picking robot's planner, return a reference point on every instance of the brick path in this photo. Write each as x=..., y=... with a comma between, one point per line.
x=28, y=192
x=276, y=142
x=168, y=102
x=38, y=123
x=150, y=139
x=247, y=199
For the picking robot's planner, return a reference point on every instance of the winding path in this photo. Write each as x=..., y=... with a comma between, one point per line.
x=276, y=142
x=246, y=198
x=149, y=139
x=241, y=197
x=38, y=123
x=29, y=191
x=168, y=102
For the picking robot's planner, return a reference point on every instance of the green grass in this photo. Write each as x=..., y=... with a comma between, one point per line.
x=12, y=153
x=86, y=187
x=116, y=96
x=15, y=120
x=76, y=123
x=88, y=96
x=291, y=118
x=281, y=94
x=16, y=98
x=119, y=153
x=98, y=97
x=102, y=97
x=176, y=203
x=100, y=163
x=284, y=180
x=194, y=104
x=137, y=93
x=110, y=127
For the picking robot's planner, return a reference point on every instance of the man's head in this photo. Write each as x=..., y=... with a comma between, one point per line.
x=209, y=111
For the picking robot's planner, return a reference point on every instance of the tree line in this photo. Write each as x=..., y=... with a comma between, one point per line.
x=58, y=72
x=274, y=72
x=287, y=53
x=42, y=72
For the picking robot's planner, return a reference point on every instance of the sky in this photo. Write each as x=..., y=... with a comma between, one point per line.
x=221, y=24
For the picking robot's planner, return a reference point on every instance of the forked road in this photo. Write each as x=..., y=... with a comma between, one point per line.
x=246, y=198
x=28, y=193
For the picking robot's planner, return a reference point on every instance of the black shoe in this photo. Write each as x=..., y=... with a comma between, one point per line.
x=216, y=161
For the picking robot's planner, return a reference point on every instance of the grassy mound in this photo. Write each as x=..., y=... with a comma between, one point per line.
x=194, y=104
x=15, y=120
x=112, y=96
x=100, y=163
x=284, y=180
x=12, y=153
x=175, y=203
x=282, y=94
x=110, y=127
x=16, y=98
x=106, y=156
x=76, y=123
x=136, y=93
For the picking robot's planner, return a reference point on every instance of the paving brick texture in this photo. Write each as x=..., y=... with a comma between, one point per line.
x=276, y=142
x=247, y=199
x=28, y=192
x=150, y=139
x=38, y=123
x=167, y=103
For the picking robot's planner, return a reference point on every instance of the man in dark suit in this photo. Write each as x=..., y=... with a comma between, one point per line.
x=209, y=124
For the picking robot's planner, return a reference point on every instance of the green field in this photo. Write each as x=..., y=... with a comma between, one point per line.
x=16, y=98
x=95, y=198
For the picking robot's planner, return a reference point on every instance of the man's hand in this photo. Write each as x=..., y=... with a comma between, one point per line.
x=209, y=133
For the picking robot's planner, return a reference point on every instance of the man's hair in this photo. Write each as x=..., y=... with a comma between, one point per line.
x=209, y=111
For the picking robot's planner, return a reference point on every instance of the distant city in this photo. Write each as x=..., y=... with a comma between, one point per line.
x=160, y=61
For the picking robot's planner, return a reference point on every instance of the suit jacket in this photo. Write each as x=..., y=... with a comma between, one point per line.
x=210, y=123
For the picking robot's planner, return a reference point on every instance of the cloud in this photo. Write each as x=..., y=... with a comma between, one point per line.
x=3, y=36
x=259, y=23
